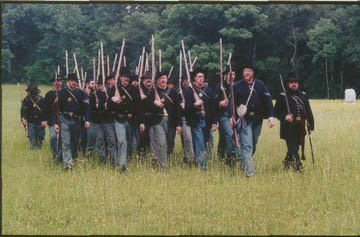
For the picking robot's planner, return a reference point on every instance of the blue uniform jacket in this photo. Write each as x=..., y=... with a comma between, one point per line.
x=192, y=113
x=260, y=103
x=78, y=106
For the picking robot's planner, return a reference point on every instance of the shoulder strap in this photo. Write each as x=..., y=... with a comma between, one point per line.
x=251, y=91
x=72, y=95
x=123, y=88
x=167, y=96
x=37, y=106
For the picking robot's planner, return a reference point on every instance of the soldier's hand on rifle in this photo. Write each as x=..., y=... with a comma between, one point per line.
x=87, y=124
x=214, y=127
x=289, y=118
x=223, y=103
x=24, y=122
x=178, y=129
x=271, y=122
x=182, y=104
x=116, y=99
x=231, y=121
x=44, y=123
x=142, y=127
x=198, y=103
x=56, y=128
x=158, y=103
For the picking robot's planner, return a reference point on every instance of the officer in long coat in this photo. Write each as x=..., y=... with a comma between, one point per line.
x=293, y=121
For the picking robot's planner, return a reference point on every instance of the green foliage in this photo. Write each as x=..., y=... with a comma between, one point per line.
x=276, y=37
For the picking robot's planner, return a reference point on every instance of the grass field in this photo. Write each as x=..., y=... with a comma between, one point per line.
x=38, y=197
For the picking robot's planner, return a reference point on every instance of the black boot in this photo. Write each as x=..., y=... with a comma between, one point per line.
x=287, y=162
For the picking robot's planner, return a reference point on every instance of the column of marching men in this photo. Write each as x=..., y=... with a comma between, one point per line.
x=126, y=119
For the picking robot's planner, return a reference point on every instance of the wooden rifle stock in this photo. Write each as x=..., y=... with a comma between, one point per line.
x=235, y=134
x=221, y=72
x=141, y=70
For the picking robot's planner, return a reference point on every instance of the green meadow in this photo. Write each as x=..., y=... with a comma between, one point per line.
x=38, y=197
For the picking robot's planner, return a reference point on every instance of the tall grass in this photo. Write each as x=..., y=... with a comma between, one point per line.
x=38, y=197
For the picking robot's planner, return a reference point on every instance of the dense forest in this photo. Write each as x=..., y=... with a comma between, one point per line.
x=320, y=43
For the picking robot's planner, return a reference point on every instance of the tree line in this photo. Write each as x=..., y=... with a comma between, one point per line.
x=318, y=42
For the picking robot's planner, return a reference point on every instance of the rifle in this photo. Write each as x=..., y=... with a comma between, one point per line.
x=196, y=96
x=67, y=62
x=286, y=99
x=221, y=72
x=141, y=69
x=94, y=78
x=113, y=68
x=103, y=71
x=180, y=76
x=22, y=100
x=311, y=146
x=171, y=69
x=108, y=65
x=159, y=60
x=57, y=117
x=153, y=68
x=235, y=134
x=117, y=93
x=77, y=71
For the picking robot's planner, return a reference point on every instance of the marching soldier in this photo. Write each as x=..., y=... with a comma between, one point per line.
x=50, y=107
x=253, y=104
x=32, y=116
x=144, y=138
x=156, y=117
x=103, y=124
x=125, y=107
x=292, y=122
x=201, y=116
x=186, y=139
x=73, y=103
x=171, y=109
x=226, y=146
x=90, y=132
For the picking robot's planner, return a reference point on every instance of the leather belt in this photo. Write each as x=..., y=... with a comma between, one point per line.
x=298, y=118
x=70, y=114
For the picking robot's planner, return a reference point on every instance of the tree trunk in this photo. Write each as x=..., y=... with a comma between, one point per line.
x=332, y=68
x=327, y=79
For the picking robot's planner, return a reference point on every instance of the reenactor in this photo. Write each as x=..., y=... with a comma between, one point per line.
x=50, y=106
x=293, y=109
x=171, y=109
x=200, y=115
x=124, y=102
x=103, y=123
x=186, y=139
x=73, y=103
x=90, y=133
x=253, y=103
x=32, y=116
x=226, y=146
x=161, y=108
x=144, y=139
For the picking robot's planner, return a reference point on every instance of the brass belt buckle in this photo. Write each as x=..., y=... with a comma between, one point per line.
x=129, y=115
x=165, y=115
x=71, y=114
x=251, y=113
x=298, y=118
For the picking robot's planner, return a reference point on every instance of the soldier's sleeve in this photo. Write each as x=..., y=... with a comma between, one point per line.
x=279, y=109
x=110, y=103
x=54, y=112
x=43, y=114
x=267, y=100
x=189, y=100
x=85, y=102
x=22, y=110
x=309, y=114
x=139, y=106
x=177, y=109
